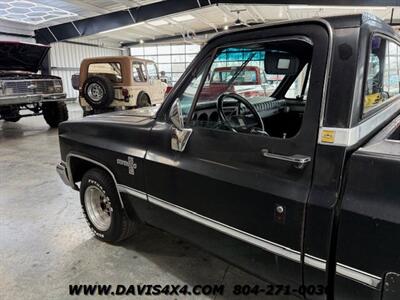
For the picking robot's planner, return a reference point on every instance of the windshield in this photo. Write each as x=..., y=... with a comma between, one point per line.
x=240, y=70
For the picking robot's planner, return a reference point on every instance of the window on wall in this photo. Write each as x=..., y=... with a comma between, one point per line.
x=171, y=59
x=383, y=77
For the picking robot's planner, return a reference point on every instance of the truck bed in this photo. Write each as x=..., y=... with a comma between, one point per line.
x=370, y=207
x=386, y=142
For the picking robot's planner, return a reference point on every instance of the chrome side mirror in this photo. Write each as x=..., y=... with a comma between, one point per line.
x=176, y=116
x=180, y=135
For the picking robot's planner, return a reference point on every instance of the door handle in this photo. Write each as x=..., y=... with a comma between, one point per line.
x=299, y=161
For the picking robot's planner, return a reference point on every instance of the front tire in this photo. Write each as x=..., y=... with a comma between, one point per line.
x=54, y=113
x=102, y=208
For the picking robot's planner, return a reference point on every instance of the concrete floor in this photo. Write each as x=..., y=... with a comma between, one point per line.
x=45, y=244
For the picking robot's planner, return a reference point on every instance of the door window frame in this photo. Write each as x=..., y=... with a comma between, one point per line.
x=212, y=58
x=105, y=63
x=144, y=69
x=156, y=68
x=376, y=110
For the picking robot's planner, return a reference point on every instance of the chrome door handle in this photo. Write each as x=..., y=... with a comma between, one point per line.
x=299, y=161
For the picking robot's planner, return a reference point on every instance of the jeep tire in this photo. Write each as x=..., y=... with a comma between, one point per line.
x=98, y=91
x=54, y=113
x=102, y=208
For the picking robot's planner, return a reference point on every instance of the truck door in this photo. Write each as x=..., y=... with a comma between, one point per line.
x=233, y=178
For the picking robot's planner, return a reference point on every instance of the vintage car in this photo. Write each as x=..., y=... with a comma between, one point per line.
x=299, y=187
x=22, y=89
x=118, y=82
x=251, y=83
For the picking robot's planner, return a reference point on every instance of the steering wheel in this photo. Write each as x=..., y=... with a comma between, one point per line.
x=239, y=118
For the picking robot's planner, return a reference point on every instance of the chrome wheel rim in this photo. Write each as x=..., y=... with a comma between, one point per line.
x=98, y=208
x=95, y=92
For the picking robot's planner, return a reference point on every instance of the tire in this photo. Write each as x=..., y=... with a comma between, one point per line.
x=54, y=113
x=88, y=113
x=98, y=92
x=143, y=100
x=14, y=118
x=10, y=114
x=115, y=225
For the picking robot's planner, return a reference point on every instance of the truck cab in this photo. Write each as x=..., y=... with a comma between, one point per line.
x=298, y=187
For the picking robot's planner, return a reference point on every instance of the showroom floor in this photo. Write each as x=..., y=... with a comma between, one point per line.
x=45, y=244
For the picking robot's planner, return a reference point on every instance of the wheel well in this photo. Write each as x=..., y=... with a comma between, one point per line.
x=140, y=95
x=84, y=166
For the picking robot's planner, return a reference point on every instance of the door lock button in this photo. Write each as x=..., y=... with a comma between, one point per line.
x=280, y=214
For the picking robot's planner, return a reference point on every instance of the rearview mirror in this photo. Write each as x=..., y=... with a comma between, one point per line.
x=175, y=114
x=281, y=63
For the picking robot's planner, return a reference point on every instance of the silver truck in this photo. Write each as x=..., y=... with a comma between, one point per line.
x=22, y=89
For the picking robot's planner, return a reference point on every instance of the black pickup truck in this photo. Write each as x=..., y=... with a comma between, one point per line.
x=300, y=188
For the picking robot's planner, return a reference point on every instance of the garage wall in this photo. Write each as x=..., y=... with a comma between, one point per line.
x=66, y=58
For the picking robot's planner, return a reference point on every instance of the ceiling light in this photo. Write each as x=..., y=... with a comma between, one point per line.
x=31, y=13
x=121, y=28
x=336, y=7
x=141, y=41
x=183, y=18
x=158, y=23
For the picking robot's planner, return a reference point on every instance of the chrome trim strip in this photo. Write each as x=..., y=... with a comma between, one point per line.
x=25, y=99
x=315, y=262
x=350, y=136
x=131, y=191
x=277, y=249
x=69, y=155
x=231, y=231
x=358, y=275
x=62, y=172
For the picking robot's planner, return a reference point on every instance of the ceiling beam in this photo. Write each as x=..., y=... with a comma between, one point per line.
x=143, y=13
x=115, y=20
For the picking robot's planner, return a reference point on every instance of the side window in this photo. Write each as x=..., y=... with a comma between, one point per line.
x=110, y=70
x=138, y=72
x=187, y=97
x=248, y=76
x=152, y=71
x=383, y=77
x=299, y=86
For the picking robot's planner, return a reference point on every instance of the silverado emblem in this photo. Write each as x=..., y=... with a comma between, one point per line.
x=32, y=86
x=130, y=163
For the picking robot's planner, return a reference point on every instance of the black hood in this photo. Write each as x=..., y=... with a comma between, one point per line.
x=16, y=56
